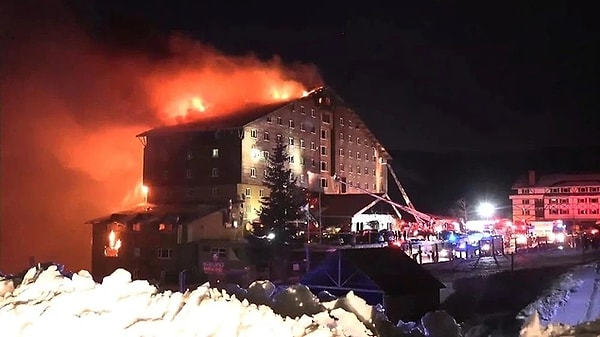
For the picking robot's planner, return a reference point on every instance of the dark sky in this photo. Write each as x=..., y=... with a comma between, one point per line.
x=450, y=75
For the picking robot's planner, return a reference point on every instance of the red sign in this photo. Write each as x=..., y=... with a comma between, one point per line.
x=213, y=267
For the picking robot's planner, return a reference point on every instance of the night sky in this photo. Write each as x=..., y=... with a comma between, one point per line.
x=452, y=76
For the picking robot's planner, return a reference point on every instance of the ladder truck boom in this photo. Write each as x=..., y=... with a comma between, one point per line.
x=400, y=187
x=418, y=215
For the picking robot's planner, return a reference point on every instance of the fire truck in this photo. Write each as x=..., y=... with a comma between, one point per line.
x=552, y=232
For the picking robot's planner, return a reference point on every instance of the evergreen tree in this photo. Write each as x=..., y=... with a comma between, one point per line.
x=286, y=198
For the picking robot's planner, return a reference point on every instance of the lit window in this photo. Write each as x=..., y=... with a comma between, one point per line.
x=215, y=153
x=215, y=172
x=253, y=172
x=164, y=253
x=253, y=133
x=114, y=244
x=136, y=227
x=248, y=192
x=165, y=227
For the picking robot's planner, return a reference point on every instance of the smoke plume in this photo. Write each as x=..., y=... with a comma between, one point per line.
x=71, y=107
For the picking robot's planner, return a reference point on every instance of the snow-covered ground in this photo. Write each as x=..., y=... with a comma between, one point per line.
x=48, y=303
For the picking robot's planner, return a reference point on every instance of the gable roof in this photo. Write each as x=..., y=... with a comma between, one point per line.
x=347, y=205
x=391, y=270
x=235, y=119
x=557, y=180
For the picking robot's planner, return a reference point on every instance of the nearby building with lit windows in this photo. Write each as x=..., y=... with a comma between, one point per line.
x=572, y=198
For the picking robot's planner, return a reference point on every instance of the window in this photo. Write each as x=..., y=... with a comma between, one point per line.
x=350, y=168
x=302, y=110
x=358, y=140
x=266, y=136
x=165, y=227
x=313, y=163
x=341, y=121
x=350, y=154
x=248, y=192
x=189, y=174
x=374, y=187
x=215, y=153
x=266, y=155
x=358, y=155
x=302, y=160
x=565, y=190
x=215, y=191
x=264, y=173
x=341, y=152
x=253, y=172
x=313, y=130
x=291, y=158
x=526, y=201
x=215, y=172
x=323, y=166
x=164, y=253
x=302, y=178
x=582, y=190
x=323, y=133
x=366, y=157
x=302, y=127
x=323, y=150
x=349, y=123
x=594, y=200
x=341, y=167
x=136, y=227
x=269, y=119
x=358, y=169
x=261, y=193
x=219, y=253
x=313, y=146
x=313, y=113
x=279, y=121
x=291, y=124
x=350, y=139
x=366, y=171
x=302, y=144
x=373, y=173
x=279, y=137
x=326, y=118
x=253, y=133
x=341, y=136
x=324, y=182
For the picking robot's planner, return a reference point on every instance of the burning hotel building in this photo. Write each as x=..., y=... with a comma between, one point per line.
x=204, y=180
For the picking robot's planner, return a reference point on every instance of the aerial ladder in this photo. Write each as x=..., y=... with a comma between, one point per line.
x=419, y=216
x=409, y=204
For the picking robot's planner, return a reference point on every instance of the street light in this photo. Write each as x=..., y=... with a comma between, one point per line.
x=486, y=210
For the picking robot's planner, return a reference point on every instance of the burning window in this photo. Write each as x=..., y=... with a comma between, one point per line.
x=136, y=227
x=165, y=227
x=114, y=244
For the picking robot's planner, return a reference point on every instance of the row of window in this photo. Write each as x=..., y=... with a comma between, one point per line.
x=567, y=190
x=325, y=118
x=564, y=211
x=324, y=135
x=555, y=201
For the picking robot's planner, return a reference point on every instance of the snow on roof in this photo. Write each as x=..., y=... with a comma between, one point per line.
x=557, y=180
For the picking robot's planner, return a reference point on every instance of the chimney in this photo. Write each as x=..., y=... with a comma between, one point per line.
x=531, y=177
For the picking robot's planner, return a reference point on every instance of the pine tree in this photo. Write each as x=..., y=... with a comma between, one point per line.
x=286, y=198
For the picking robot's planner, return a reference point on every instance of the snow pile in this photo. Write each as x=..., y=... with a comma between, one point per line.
x=553, y=298
x=46, y=302
x=534, y=328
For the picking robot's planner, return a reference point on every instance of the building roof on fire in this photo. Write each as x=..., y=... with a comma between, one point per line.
x=250, y=113
x=558, y=180
x=235, y=119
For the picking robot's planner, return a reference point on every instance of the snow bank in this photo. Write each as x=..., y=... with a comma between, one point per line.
x=553, y=298
x=48, y=302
